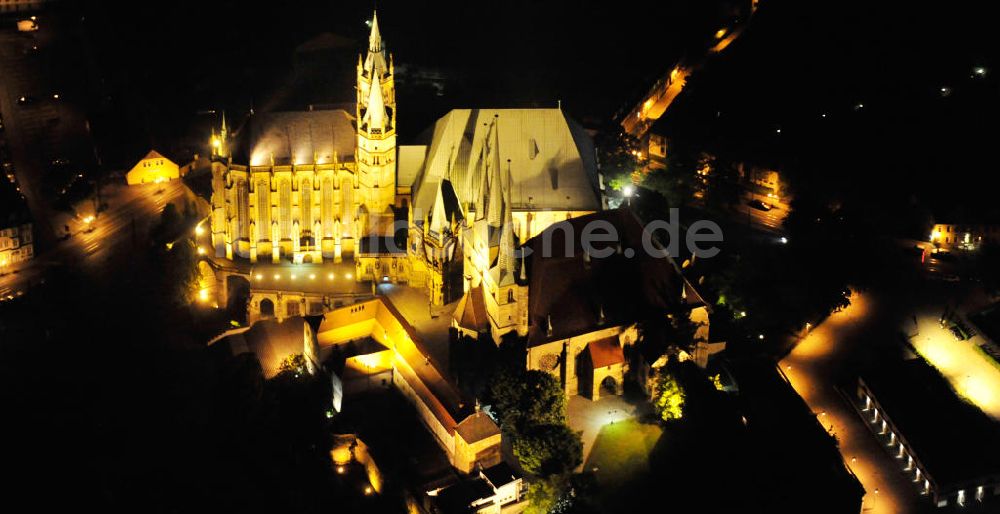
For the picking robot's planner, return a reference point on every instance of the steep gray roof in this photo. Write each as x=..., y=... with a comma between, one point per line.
x=409, y=163
x=295, y=137
x=551, y=159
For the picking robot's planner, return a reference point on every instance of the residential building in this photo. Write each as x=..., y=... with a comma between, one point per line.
x=968, y=236
x=16, y=245
x=17, y=242
x=153, y=168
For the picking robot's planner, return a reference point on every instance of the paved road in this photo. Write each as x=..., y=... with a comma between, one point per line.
x=111, y=237
x=769, y=221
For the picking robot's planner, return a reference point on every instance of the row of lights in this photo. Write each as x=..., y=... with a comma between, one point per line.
x=312, y=276
x=893, y=440
x=199, y=230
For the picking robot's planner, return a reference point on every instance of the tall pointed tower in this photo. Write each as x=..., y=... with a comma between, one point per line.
x=220, y=142
x=225, y=224
x=376, y=122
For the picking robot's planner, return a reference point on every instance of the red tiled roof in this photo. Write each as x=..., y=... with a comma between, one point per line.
x=605, y=352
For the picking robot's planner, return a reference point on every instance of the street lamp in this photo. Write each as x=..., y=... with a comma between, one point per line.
x=628, y=191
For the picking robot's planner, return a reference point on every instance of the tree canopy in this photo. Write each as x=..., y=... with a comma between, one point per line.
x=668, y=396
x=531, y=407
x=526, y=399
x=547, y=450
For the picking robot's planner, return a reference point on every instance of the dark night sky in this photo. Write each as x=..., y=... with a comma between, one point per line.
x=797, y=61
x=592, y=56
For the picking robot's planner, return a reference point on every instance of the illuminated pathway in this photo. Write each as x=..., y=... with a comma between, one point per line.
x=813, y=368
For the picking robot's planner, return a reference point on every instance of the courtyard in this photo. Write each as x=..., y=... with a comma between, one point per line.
x=590, y=417
x=620, y=452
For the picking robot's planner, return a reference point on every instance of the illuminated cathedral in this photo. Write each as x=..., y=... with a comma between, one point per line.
x=322, y=186
x=316, y=180
x=319, y=200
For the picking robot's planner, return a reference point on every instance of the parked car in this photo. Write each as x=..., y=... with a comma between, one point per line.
x=759, y=205
x=943, y=256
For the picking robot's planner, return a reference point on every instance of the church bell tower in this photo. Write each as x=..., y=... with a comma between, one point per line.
x=376, y=125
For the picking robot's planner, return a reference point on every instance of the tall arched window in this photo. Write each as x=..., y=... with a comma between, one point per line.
x=347, y=213
x=285, y=208
x=242, y=206
x=263, y=191
x=327, y=207
x=305, y=205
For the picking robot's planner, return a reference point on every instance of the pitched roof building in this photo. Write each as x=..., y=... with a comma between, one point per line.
x=273, y=343
x=153, y=168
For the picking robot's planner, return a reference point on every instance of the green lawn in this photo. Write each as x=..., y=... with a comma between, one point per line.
x=621, y=454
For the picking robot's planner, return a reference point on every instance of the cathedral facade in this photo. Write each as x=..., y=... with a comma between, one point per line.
x=316, y=182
